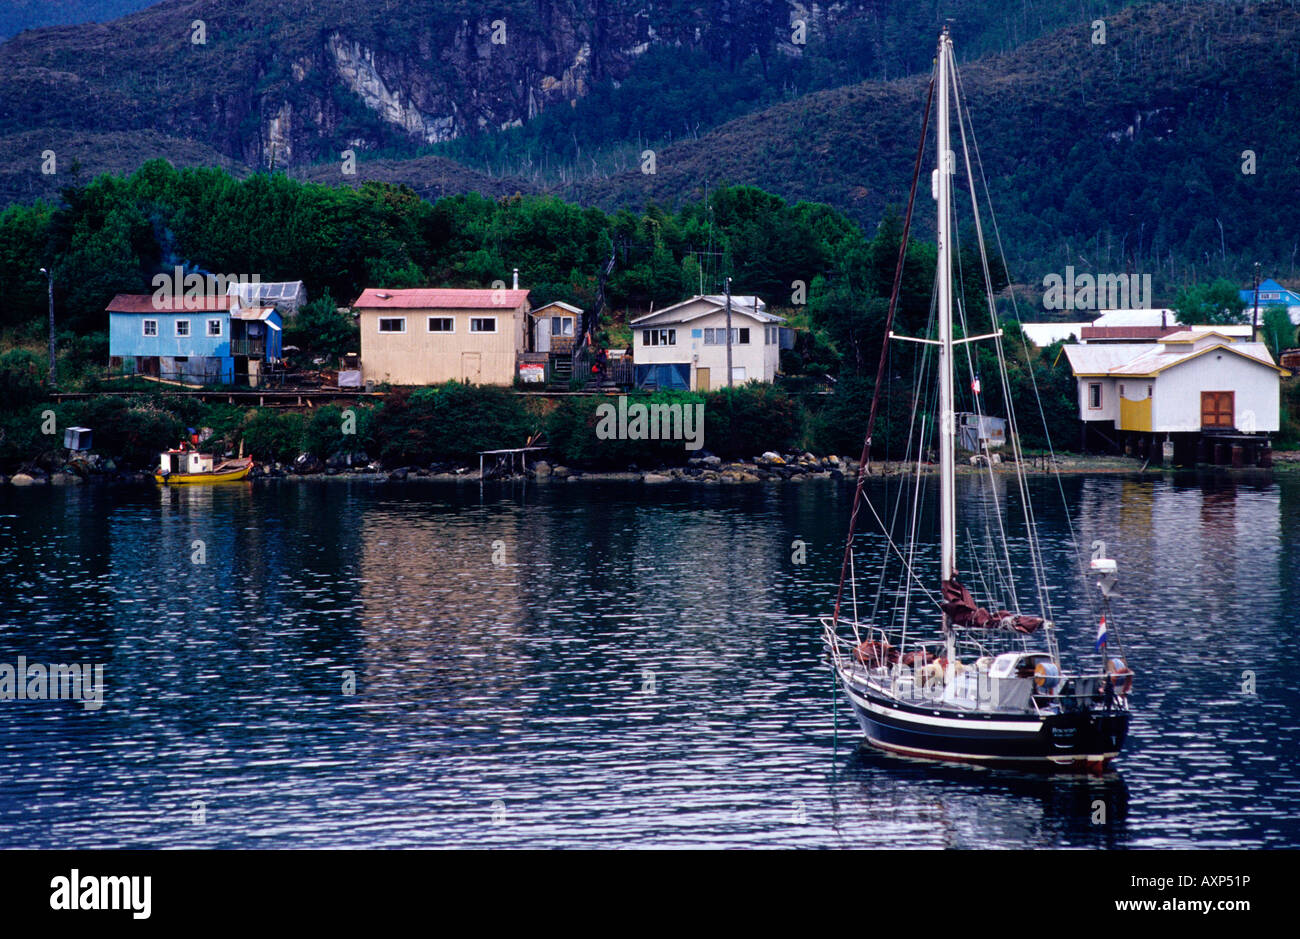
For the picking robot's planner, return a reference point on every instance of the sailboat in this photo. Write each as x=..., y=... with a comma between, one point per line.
x=940, y=676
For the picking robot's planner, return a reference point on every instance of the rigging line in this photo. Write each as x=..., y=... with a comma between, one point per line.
x=1015, y=309
x=916, y=502
x=1035, y=551
x=908, y=567
x=1010, y=582
x=907, y=456
x=889, y=323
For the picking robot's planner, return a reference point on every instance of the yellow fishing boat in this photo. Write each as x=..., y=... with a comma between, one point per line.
x=190, y=466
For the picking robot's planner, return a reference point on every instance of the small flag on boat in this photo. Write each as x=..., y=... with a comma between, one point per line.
x=975, y=385
x=1101, y=634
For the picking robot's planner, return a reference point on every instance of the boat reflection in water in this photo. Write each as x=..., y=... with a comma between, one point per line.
x=893, y=800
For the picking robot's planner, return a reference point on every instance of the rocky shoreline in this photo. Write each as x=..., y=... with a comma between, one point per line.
x=705, y=468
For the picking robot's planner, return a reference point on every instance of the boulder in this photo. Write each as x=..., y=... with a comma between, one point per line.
x=541, y=468
x=307, y=464
x=398, y=475
x=561, y=472
x=656, y=478
x=26, y=479
x=65, y=479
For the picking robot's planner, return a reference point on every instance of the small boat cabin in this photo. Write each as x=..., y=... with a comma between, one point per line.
x=185, y=461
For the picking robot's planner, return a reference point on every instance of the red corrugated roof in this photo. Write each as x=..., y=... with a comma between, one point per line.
x=441, y=298
x=145, y=303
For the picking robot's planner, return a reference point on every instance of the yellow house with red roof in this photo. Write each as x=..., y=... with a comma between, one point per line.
x=427, y=336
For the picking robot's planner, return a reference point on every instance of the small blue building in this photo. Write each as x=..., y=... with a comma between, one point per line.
x=1271, y=293
x=197, y=340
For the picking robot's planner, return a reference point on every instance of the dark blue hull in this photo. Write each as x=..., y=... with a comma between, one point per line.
x=1082, y=740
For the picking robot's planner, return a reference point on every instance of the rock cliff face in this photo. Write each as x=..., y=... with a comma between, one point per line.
x=287, y=82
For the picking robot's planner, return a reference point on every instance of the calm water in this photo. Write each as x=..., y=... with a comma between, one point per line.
x=642, y=670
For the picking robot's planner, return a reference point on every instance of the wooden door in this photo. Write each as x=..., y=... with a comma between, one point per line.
x=701, y=379
x=471, y=367
x=1218, y=409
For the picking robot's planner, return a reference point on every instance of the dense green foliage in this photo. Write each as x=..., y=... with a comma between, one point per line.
x=1276, y=330
x=1215, y=303
x=320, y=330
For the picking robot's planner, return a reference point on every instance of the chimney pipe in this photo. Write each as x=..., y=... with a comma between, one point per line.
x=516, y=278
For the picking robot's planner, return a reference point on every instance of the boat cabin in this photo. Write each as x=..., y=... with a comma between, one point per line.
x=185, y=461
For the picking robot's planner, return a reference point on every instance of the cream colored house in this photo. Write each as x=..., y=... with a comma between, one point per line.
x=426, y=336
x=1192, y=383
x=685, y=345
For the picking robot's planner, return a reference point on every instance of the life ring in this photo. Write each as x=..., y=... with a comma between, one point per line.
x=1119, y=676
x=1047, y=678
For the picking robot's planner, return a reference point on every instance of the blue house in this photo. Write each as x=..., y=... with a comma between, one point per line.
x=1271, y=293
x=197, y=340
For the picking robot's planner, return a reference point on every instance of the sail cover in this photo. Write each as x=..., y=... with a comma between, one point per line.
x=961, y=609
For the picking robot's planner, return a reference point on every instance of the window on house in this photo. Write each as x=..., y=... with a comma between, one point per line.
x=561, y=325
x=442, y=324
x=214, y=327
x=150, y=327
x=483, y=324
x=1094, y=396
x=182, y=327
x=718, y=337
x=659, y=337
x=396, y=324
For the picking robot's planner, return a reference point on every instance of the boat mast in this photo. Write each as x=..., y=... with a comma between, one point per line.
x=947, y=431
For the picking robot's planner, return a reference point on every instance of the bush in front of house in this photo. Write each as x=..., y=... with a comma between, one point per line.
x=133, y=433
x=747, y=420
x=271, y=436
x=575, y=435
x=332, y=430
x=450, y=422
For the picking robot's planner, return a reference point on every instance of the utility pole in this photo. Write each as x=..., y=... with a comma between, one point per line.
x=1254, y=319
x=49, y=282
x=728, y=283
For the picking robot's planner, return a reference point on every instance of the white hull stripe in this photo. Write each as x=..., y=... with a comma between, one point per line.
x=927, y=720
x=945, y=755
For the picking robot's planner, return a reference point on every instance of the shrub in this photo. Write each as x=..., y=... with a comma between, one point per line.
x=324, y=434
x=448, y=422
x=571, y=431
x=269, y=436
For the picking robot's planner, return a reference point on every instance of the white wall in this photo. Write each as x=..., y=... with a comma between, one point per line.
x=1109, y=400
x=1177, y=404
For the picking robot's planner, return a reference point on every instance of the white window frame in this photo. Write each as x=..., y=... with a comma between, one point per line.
x=428, y=325
x=565, y=325
x=188, y=332
x=218, y=333
x=1094, y=386
x=717, y=336
x=379, y=325
x=476, y=324
x=658, y=336
x=144, y=328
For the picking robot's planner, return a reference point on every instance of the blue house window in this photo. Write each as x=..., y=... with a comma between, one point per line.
x=214, y=327
x=150, y=327
x=182, y=327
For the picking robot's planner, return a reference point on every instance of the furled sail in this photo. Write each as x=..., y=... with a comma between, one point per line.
x=962, y=610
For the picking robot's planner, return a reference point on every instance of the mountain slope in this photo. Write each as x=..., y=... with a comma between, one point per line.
x=1116, y=154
